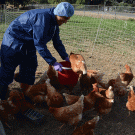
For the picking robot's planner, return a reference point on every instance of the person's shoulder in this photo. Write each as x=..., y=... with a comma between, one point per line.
x=36, y=11
x=43, y=14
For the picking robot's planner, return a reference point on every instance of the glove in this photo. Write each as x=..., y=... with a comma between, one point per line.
x=57, y=66
x=67, y=59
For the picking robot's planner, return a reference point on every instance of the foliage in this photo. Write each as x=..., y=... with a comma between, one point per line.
x=16, y=3
x=80, y=2
x=131, y=19
x=123, y=4
x=43, y=1
x=35, y=1
x=84, y=25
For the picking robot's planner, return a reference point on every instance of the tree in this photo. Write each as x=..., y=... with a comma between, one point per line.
x=16, y=3
x=2, y=1
x=43, y=1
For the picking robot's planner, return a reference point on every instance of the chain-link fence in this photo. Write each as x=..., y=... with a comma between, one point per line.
x=105, y=33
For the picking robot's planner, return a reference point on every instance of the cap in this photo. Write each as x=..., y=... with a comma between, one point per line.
x=64, y=9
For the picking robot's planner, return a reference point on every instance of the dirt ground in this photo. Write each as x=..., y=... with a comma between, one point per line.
x=116, y=122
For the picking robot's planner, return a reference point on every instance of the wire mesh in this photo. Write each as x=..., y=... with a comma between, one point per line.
x=105, y=33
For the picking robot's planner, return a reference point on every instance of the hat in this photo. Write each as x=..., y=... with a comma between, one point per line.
x=64, y=9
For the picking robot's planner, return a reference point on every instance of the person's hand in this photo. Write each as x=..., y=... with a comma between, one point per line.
x=57, y=66
x=67, y=59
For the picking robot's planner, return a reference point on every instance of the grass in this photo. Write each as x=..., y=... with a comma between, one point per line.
x=97, y=30
x=3, y=28
x=81, y=29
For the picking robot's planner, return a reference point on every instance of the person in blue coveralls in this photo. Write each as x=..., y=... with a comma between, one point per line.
x=30, y=32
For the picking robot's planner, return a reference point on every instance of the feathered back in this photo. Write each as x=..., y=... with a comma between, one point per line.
x=70, y=99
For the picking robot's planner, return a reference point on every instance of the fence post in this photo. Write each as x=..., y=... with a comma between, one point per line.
x=98, y=9
x=84, y=11
x=115, y=12
x=5, y=13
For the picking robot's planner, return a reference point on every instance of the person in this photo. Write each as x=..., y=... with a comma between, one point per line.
x=27, y=33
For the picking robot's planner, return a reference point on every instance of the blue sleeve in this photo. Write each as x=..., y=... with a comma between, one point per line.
x=40, y=37
x=58, y=44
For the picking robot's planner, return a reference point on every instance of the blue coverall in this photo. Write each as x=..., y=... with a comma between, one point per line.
x=29, y=32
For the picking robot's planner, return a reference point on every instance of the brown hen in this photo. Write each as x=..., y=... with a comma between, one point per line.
x=53, y=98
x=108, y=93
x=89, y=100
x=37, y=93
x=131, y=100
x=126, y=77
x=15, y=103
x=103, y=105
x=71, y=114
x=87, y=128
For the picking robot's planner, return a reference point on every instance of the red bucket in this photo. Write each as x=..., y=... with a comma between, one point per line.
x=67, y=77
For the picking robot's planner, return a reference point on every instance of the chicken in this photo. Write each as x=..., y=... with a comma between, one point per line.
x=70, y=99
x=37, y=93
x=118, y=87
x=53, y=98
x=87, y=128
x=86, y=82
x=108, y=93
x=95, y=87
x=103, y=105
x=45, y=92
x=15, y=103
x=42, y=79
x=89, y=100
x=78, y=64
x=96, y=74
x=17, y=98
x=120, y=83
x=131, y=100
x=7, y=111
x=90, y=78
x=53, y=76
x=126, y=77
x=71, y=114
x=111, y=82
